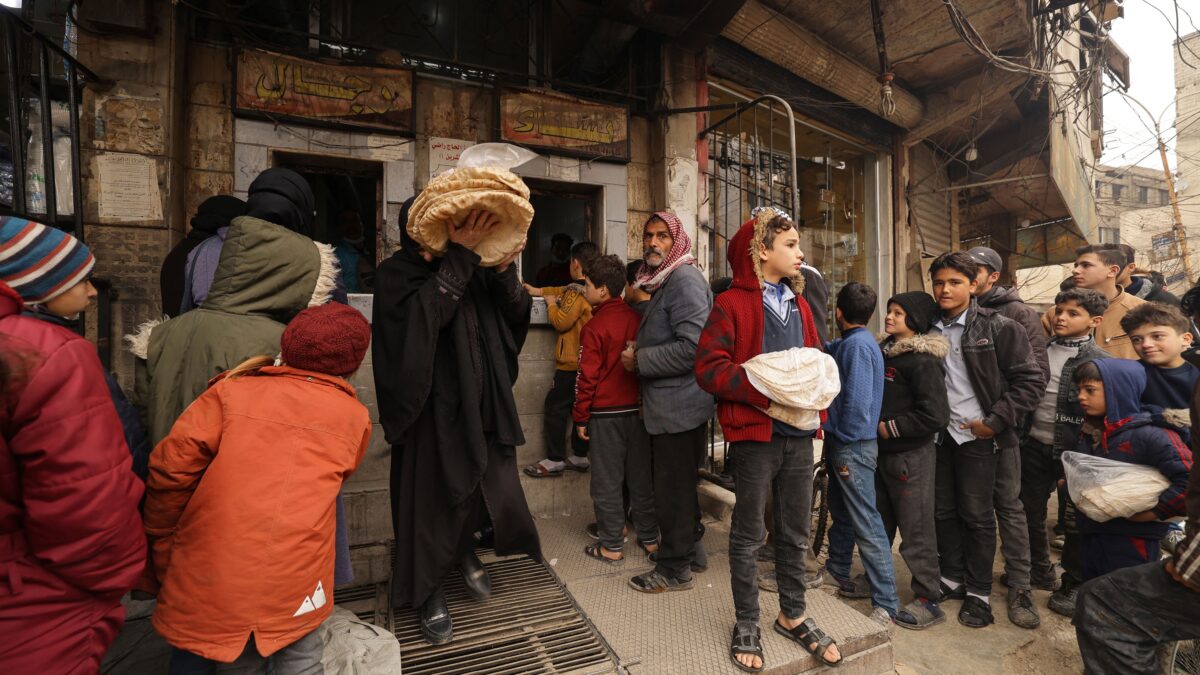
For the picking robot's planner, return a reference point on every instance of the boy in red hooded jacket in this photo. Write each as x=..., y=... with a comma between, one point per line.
x=763, y=312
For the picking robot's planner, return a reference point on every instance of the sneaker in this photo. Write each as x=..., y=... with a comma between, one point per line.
x=920, y=614
x=1062, y=601
x=855, y=589
x=816, y=580
x=767, y=581
x=653, y=582
x=580, y=464
x=975, y=613
x=1171, y=541
x=959, y=593
x=1021, y=611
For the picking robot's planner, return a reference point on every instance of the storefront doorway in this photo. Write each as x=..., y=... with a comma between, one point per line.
x=348, y=196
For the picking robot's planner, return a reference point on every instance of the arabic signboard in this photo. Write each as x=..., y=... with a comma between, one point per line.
x=1162, y=247
x=564, y=124
x=355, y=95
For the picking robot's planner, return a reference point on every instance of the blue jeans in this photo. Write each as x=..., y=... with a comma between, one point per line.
x=856, y=520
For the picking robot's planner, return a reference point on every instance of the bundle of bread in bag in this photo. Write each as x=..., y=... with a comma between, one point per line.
x=448, y=198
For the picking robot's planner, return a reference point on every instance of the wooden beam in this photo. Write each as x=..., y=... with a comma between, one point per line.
x=780, y=40
x=951, y=106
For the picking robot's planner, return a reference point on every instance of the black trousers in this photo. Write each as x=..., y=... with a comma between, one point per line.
x=904, y=493
x=1039, y=476
x=964, y=511
x=1122, y=617
x=676, y=458
x=556, y=421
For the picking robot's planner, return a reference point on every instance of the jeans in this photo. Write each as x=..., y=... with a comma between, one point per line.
x=904, y=494
x=676, y=458
x=1121, y=619
x=1010, y=514
x=1038, y=476
x=620, y=454
x=783, y=464
x=856, y=519
x=557, y=418
x=964, y=512
x=302, y=657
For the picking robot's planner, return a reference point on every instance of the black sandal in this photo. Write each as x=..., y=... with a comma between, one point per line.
x=812, y=639
x=747, y=639
x=597, y=551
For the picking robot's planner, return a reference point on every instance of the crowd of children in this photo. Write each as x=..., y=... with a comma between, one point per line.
x=949, y=430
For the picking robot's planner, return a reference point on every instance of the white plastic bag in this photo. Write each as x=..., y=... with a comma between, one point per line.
x=1104, y=489
x=497, y=155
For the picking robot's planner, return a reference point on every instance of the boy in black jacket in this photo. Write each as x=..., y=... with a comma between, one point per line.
x=914, y=410
x=1053, y=428
x=992, y=383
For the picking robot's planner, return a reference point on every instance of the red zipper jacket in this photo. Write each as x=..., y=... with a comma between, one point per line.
x=734, y=335
x=603, y=384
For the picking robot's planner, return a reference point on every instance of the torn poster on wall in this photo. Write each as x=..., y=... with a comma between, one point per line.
x=128, y=188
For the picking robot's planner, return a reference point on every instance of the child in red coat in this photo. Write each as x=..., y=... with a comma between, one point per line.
x=608, y=416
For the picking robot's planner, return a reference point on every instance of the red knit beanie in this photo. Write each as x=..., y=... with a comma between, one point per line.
x=332, y=339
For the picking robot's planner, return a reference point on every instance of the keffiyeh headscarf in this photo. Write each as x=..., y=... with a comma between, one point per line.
x=650, y=278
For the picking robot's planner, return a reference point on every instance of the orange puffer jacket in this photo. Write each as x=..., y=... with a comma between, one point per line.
x=240, y=510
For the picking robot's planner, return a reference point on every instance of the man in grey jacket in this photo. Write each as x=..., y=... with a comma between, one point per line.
x=676, y=411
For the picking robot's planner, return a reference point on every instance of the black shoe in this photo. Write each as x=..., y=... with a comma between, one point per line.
x=958, y=594
x=1062, y=601
x=1021, y=611
x=975, y=613
x=436, y=625
x=653, y=582
x=475, y=577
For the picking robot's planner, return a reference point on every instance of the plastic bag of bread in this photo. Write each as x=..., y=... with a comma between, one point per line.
x=1104, y=489
x=482, y=181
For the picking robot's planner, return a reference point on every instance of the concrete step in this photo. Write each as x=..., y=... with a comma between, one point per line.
x=689, y=631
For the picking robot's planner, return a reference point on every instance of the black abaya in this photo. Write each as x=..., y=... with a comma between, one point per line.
x=446, y=339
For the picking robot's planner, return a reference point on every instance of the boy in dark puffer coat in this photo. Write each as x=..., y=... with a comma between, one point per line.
x=914, y=409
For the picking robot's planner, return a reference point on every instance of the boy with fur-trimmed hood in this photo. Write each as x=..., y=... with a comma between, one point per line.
x=764, y=312
x=914, y=410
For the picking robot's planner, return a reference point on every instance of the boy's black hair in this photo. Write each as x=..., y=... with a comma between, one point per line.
x=775, y=227
x=585, y=252
x=606, y=271
x=1090, y=301
x=1190, y=302
x=561, y=236
x=1087, y=372
x=721, y=284
x=1109, y=254
x=631, y=270
x=958, y=261
x=1067, y=284
x=857, y=302
x=1155, y=314
x=1128, y=252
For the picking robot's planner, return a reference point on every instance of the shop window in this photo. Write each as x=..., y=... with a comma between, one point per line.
x=564, y=215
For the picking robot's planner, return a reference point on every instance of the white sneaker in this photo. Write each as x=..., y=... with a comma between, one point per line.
x=880, y=616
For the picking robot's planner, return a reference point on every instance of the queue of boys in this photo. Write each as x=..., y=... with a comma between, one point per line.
x=948, y=431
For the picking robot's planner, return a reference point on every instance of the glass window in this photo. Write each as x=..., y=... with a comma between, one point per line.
x=1116, y=192
x=1143, y=195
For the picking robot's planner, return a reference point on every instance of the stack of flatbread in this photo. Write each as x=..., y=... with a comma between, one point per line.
x=448, y=198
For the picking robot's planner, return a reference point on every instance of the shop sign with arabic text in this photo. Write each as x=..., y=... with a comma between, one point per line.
x=356, y=95
x=565, y=124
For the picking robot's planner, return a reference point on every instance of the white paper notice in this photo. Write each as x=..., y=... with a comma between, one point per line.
x=443, y=154
x=128, y=188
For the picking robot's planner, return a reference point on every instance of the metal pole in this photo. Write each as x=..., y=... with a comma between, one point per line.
x=16, y=129
x=47, y=135
x=76, y=169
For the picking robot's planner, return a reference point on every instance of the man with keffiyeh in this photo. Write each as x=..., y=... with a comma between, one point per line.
x=676, y=411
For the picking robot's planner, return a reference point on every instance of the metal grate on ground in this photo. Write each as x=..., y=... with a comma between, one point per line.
x=530, y=625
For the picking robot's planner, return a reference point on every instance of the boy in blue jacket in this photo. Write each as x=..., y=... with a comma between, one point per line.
x=1110, y=392
x=852, y=452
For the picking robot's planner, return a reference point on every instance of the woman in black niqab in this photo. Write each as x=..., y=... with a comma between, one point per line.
x=446, y=335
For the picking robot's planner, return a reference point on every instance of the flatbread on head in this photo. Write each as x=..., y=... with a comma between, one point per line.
x=448, y=198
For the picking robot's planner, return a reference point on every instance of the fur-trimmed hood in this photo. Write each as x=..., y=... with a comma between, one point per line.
x=921, y=343
x=744, y=249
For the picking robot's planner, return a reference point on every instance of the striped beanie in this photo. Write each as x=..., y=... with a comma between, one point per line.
x=40, y=262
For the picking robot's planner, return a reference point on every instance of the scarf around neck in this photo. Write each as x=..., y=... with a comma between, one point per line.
x=651, y=278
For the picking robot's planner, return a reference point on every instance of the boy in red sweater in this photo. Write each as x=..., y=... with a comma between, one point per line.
x=607, y=415
x=764, y=312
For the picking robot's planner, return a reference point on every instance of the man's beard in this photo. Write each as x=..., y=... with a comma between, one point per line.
x=653, y=251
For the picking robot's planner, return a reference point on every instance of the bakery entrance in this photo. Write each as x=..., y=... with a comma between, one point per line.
x=348, y=197
x=564, y=214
